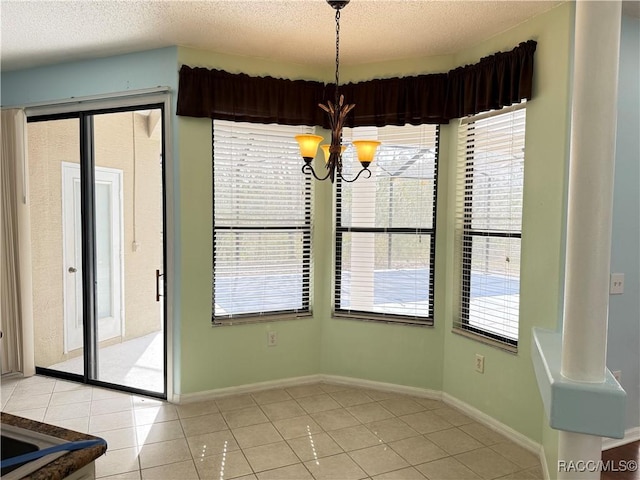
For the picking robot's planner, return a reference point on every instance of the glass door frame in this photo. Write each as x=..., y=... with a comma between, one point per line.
x=88, y=225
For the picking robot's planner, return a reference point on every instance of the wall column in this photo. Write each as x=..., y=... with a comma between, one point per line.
x=593, y=134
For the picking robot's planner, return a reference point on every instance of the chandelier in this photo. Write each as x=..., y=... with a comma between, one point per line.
x=337, y=112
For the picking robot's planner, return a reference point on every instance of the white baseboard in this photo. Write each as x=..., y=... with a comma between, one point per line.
x=248, y=388
x=630, y=435
x=293, y=381
x=493, y=424
x=385, y=387
x=544, y=465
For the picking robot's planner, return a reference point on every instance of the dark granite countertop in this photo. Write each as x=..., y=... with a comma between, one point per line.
x=68, y=463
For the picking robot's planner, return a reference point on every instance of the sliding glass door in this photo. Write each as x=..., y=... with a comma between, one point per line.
x=98, y=244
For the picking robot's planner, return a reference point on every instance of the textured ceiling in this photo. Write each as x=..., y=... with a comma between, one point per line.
x=299, y=31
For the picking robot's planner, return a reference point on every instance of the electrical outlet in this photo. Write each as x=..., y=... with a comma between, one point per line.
x=479, y=363
x=272, y=339
x=616, y=284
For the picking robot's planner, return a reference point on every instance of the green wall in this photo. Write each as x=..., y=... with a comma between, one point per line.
x=226, y=356
x=507, y=390
x=424, y=357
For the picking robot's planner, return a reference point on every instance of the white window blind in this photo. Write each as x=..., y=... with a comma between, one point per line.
x=490, y=190
x=385, y=231
x=261, y=221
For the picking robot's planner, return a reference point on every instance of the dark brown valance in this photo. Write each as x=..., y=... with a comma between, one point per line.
x=239, y=97
x=496, y=81
x=395, y=101
x=499, y=80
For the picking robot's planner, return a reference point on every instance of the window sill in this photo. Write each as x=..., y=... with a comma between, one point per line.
x=428, y=322
x=228, y=322
x=487, y=341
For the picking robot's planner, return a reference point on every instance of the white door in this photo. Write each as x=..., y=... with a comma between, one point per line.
x=109, y=254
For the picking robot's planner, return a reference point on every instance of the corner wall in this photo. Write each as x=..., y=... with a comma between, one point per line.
x=507, y=391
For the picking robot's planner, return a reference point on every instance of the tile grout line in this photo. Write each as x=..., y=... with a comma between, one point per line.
x=286, y=441
x=343, y=405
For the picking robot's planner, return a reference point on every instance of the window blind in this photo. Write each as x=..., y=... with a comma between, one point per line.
x=490, y=185
x=385, y=230
x=261, y=221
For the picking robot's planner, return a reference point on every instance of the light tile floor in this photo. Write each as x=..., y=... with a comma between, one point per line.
x=317, y=431
x=138, y=362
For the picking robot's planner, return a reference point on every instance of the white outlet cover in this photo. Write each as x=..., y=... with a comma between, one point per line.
x=479, y=363
x=616, y=284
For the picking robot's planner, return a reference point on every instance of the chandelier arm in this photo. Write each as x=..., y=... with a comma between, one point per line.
x=307, y=168
x=357, y=176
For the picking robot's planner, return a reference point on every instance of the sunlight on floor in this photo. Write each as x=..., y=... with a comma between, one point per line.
x=134, y=363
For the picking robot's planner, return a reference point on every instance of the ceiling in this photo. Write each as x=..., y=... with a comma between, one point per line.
x=41, y=32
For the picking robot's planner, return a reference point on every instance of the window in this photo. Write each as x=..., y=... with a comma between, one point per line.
x=490, y=186
x=385, y=227
x=261, y=222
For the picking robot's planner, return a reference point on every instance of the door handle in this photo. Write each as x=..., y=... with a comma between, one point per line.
x=158, y=275
x=72, y=270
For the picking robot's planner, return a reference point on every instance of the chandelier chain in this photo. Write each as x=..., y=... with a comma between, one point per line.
x=337, y=54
